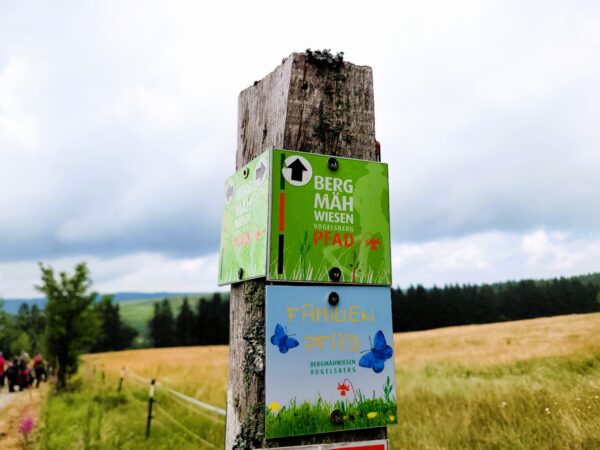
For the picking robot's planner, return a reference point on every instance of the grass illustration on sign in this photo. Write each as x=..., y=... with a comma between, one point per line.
x=329, y=367
x=315, y=417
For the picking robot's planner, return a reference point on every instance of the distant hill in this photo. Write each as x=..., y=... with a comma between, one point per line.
x=12, y=305
x=138, y=312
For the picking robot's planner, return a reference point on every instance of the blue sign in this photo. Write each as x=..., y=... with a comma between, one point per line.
x=329, y=359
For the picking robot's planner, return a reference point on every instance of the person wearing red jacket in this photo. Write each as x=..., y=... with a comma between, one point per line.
x=2, y=363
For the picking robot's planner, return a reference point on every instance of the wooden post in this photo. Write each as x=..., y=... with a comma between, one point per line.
x=312, y=102
x=121, y=378
x=150, y=404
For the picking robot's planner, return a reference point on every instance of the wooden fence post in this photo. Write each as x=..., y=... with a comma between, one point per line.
x=150, y=404
x=121, y=378
x=312, y=102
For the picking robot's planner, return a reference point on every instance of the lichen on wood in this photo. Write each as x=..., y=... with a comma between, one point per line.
x=252, y=431
x=325, y=59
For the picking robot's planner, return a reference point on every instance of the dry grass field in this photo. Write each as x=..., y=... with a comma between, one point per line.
x=525, y=384
x=499, y=343
x=201, y=372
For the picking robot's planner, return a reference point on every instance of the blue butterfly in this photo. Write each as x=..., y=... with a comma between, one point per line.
x=375, y=359
x=282, y=340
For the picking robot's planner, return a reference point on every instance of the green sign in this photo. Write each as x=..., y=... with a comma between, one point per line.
x=328, y=220
x=329, y=214
x=244, y=225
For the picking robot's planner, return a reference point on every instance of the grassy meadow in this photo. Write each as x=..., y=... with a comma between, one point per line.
x=138, y=313
x=515, y=385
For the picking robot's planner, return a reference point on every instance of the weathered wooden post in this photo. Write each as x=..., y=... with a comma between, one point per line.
x=121, y=378
x=313, y=102
x=150, y=404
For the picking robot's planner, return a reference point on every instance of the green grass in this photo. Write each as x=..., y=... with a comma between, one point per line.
x=137, y=313
x=452, y=394
x=93, y=415
x=544, y=403
x=313, y=418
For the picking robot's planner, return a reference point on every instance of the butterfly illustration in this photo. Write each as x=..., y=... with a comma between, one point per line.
x=282, y=340
x=376, y=358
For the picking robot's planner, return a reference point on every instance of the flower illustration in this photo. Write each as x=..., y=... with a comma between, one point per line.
x=274, y=406
x=371, y=415
x=373, y=243
x=343, y=388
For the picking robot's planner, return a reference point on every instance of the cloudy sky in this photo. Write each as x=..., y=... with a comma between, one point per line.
x=118, y=126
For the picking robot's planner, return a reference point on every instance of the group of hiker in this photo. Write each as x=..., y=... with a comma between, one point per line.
x=20, y=373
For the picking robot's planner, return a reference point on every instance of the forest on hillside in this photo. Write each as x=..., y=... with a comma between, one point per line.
x=417, y=308
x=205, y=320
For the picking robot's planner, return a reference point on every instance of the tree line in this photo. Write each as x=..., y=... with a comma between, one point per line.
x=204, y=323
x=418, y=308
x=76, y=320
x=26, y=330
x=415, y=308
x=73, y=321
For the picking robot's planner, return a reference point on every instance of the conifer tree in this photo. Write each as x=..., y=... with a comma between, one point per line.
x=162, y=325
x=114, y=333
x=184, y=324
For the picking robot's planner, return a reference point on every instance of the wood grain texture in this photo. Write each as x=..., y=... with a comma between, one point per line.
x=312, y=108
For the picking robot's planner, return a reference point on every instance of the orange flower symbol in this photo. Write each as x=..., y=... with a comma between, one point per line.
x=343, y=388
x=373, y=243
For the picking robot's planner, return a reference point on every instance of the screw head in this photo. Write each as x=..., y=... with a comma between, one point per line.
x=335, y=274
x=333, y=164
x=240, y=273
x=336, y=417
x=333, y=298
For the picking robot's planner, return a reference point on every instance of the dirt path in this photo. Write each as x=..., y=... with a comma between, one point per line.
x=15, y=407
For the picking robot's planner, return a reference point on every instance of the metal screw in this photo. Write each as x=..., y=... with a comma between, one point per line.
x=240, y=273
x=333, y=298
x=336, y=417
x=335, y=274
x=333, y=164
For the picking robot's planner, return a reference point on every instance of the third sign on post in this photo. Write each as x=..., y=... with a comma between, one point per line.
x=381, y=444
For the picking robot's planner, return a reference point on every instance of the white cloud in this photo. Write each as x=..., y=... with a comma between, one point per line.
x=17, y=125
x=118, y=125
x=495, y=256
x=552, y=250
x=138, y=272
